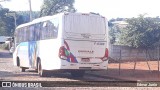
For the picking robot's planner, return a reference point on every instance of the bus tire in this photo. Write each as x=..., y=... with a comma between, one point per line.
x=41, y=72
x=23, y=69
x=36, y=70
x=77, y=73
x=18, y=62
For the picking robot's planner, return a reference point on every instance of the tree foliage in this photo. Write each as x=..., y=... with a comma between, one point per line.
x=51, y=7
x=114, y=32
x=7, y=22
x=25, y=15
x=141, y=32
x=4, y=24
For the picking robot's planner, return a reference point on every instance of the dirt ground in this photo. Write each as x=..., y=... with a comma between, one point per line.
x=140, y=73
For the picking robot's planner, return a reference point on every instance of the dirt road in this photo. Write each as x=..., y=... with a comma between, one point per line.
x=8, y=72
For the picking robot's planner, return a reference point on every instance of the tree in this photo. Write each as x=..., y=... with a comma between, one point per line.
x=142, y=32
x=25, y=15
x=7, y=22
x=51, y=7
x=115, y=30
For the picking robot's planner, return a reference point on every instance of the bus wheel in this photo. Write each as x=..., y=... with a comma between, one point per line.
x=41, y=72
x=77, y=73
x=23, y=69
x=18, y=62
x=36, y=70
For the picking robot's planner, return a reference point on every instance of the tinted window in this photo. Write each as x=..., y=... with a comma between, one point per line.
x=49, y=29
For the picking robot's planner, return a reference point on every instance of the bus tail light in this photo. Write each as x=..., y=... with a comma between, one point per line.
x=63, y=53
x=105, y=58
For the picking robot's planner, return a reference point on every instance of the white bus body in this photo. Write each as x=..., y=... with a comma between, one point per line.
x=77, y=42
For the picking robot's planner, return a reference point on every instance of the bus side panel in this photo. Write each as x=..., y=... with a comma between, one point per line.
x=32, y=53
x=15, y=56
x=48, y=53
x=22, y=53
x=26, y=52
x=48, y=50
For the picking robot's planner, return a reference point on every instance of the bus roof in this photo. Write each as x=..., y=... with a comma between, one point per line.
x=42, y=19
x=34, y=21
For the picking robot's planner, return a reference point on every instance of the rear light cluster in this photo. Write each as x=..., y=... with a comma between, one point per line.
x=105, y=58
x=63, y=53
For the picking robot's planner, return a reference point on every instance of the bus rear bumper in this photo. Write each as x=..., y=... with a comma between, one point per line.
x=78, y=66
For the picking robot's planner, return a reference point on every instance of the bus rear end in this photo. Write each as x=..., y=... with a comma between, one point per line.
x=85, y=45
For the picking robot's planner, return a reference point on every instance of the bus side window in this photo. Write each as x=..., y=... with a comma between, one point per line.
x=20, y=36
x=37, y=31
x=49, y=30
x=54, y=27
x=43, y=31
x=31, y=33
x=17, y=35
x=25, y=34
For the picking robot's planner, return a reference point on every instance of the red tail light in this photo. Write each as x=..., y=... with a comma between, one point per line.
x=106, y=53
x=62, y=53
x=105, y=58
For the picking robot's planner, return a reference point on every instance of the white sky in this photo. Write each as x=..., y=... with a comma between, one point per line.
x=108, y=8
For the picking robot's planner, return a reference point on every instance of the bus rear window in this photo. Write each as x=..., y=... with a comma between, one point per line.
x=85, y=24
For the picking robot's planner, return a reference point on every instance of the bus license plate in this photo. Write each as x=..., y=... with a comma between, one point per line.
x=85, y=60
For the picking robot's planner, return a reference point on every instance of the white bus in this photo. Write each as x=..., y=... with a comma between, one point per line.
x=73, y=42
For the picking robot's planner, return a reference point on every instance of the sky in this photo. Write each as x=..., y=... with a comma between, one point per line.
x=108, y=8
